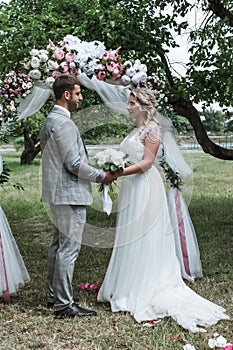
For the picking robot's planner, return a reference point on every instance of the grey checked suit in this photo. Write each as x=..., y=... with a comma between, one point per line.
x=66, y=186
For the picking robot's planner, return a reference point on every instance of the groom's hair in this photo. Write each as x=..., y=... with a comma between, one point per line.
x=64, y=83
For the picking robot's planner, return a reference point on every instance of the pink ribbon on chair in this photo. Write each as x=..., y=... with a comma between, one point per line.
x=183, y=242
x=3, y=275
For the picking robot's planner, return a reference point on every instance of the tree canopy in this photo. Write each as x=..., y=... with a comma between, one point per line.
x=144, y=30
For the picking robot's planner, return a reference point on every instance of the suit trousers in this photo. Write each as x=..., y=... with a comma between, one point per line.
x=68, y=224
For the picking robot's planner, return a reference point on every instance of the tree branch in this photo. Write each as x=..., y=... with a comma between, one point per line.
x=187, y=110
x=219, y=10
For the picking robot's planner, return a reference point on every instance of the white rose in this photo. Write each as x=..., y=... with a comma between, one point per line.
x=128, y=64
x=35, y=62
x=43, y=52
x=130, y=72
x=12, y=108
x=29, y=85
x=34, y=52
x=142, y=68
x=24, y=85
x=49, y=82
x=188, y=347
x=35, y=74
x=102, y=160
x=27, y=65
x=44, y=58
x=139, y=77
x=221, y=341
x=125, y=79
x=137, y=64
x=99, y=49
x=212, y=343
x=72, y=42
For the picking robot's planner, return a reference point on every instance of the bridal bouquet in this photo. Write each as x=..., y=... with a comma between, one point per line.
x=109, y=160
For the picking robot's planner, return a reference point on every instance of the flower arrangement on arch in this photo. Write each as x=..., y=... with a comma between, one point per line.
x=71, y=56
x=13, y=86
x=110, y=66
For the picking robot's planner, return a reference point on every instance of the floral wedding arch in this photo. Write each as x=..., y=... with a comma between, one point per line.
x=99, y=69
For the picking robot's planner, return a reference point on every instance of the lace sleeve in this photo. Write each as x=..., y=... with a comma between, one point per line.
x=151, y=131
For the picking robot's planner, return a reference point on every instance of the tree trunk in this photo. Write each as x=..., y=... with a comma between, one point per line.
x=31, y=148
x=187, y=110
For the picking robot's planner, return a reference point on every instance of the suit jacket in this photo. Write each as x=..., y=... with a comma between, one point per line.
x=66, y=175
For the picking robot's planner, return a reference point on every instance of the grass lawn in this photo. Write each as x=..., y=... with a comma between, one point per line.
x=27, y=324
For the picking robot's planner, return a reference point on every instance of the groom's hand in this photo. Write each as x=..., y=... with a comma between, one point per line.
x=109, y=178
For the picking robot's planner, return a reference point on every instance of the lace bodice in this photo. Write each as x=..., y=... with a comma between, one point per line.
x=133, y=144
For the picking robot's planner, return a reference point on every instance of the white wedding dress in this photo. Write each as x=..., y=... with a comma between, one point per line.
x=144, y=275
x=13, y=273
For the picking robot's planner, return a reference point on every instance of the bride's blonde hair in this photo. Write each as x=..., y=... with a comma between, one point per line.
x=146, y=98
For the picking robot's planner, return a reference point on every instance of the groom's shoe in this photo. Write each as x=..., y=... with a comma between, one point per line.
x=74, y=311
x=50, y=305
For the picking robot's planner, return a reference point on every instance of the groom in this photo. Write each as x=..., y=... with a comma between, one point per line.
x=66, y=186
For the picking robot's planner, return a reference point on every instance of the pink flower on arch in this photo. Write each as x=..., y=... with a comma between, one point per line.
x=51, y=45
x=65, y=67
x=59, y=54
x=116, y=73
x=101, y=75
x=111, y=66
x=106, y=55
x=72, y=65
x=113, y=54
x=56, y=74
x=228, y=347
x=69, y=57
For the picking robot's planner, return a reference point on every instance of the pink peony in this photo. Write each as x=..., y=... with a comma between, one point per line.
x=101, y=75
x=59, y=54
x=51, y=45
x=101, y=67
x=55, y=65
x=111, y=66
x=72, y=65
x=106, y=55
x=113, y=54
x=228, y=347
x=56, y=74
x=69, y=57
x=75, y=72
x=65, y=67
x=116, y=73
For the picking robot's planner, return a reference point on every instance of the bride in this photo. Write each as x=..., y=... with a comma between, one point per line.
x=143, y=276
x=13, y=273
